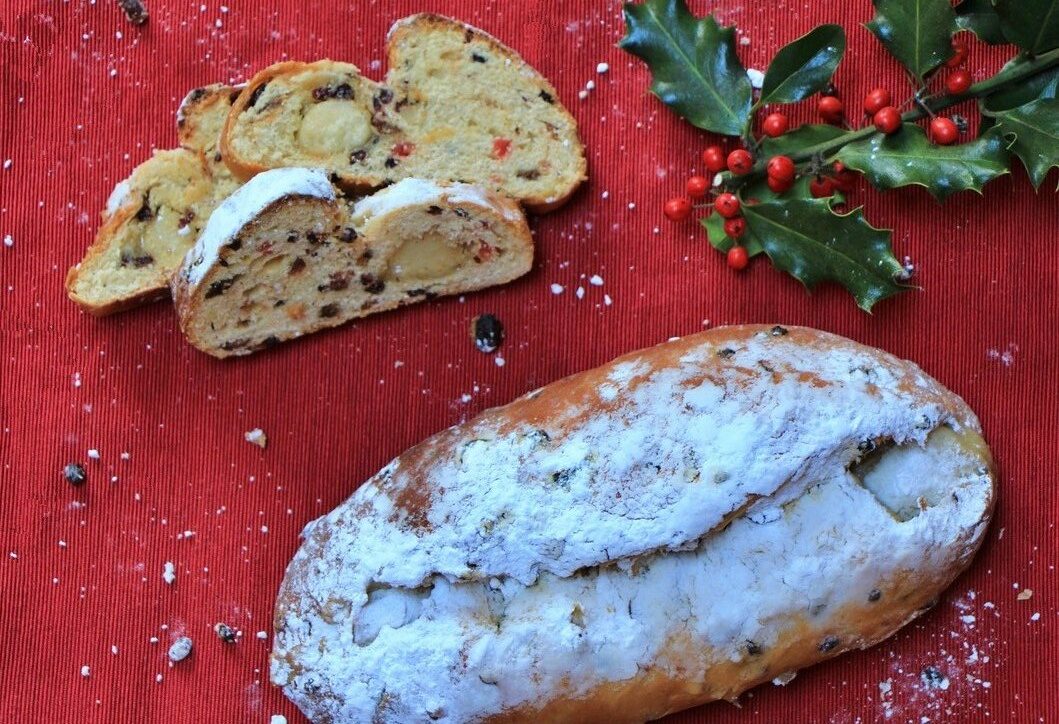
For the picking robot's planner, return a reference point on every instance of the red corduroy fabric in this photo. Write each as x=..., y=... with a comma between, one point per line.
x=86, y=96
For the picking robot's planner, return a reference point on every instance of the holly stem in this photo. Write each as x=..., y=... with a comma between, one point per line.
x=1017, y=71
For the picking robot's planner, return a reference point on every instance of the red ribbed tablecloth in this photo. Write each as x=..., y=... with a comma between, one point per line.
x=86, y=96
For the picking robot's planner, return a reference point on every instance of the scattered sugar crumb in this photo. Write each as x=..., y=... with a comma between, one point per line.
x=93, y=454
x=595, y=280
x=757, y=78
x=1036, y=616
x=76, y=379
x=180, y=649
x=557, y=288
x=257, y=437
x=582, y=94
x=169, y=573
x=86, y=671
x=262, y=635
x=1005, y=356
x=580, y=292
x=602, y=68
x=8, y=240
x=500, y=361
x=278, y=719
x=607, y=300
x=114, y=649
x=158, y=678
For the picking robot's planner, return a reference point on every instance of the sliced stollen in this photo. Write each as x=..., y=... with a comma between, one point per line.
x=456, y=105
x=675, y=527
x=287, y=255
x=154, y=216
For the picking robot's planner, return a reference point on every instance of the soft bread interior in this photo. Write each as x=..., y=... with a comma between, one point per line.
x=290, y=274
x=154, y=218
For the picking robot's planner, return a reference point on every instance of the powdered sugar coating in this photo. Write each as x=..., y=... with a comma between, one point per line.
x=464, y=579
x=416, y=191
x=243, y=206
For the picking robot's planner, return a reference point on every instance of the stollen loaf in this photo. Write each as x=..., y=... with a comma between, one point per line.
x=672, y=528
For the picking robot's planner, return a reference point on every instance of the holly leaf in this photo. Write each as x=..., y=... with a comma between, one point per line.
x=916, y=32
x=799, y=139
x=805, y=66
x=1036, y=87
x=812, y=243
x=694, y=66
x=1033, y=25
x=1033, y=133
x=908, y=158
x=979, y=16
x=720, y=241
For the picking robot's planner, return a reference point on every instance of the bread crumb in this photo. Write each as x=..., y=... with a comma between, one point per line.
x=757, y=78
x=602, y=68
x=93, y=454
x=1025, y=594
x=595, y=280
x=8, y=240
x=500, y=361
x=180, y=649
x=557, y=288
x=169, y=573
x=607, y=301
x=85, y=671
x=257, y=437
x=1036, y=616
x=262, y=635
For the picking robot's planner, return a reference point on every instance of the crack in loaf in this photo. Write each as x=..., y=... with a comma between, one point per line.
x=670, y=529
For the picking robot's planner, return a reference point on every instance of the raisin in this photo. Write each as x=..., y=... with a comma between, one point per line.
x=75, y=474
x=297, y=266
x=371, y=284
x=752, y=648
x=235, y=244
x=366, y=256
x=358, y=156
x=312, y=237
x=220, y=287
x=225, y=633
x=530, y=174
x=343, y=92
x=234, y=344
x=874, y=595
x=347, y=234
x=137, y=261
x=186, y=219
x=434, y=210
x=385, y=95
x=547, y=97
x=135, y=11
x=292, y=237
x=337, y=283
x=477, y=58
x=256, y=95
x=488, y=332
x=828, y=643
x=144, y=213
x=462, y=213
x=329, y=310
x=269, y=341
x=778, y=331
x=468, y=35
x=390, y=162
x=195, y=95
x=420, y=292
x=726, y=353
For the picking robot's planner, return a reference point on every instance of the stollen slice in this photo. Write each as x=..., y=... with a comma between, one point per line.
x=287, y=255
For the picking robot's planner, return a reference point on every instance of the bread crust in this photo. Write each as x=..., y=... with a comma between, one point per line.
x=321, y=586
x=245, y=169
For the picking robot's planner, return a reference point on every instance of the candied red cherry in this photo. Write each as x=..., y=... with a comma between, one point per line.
x=958, y=82
x=775, y=125
x=831, y=109
x=943, y=131
x=697, y=187
x=727, y=205
x=959, y=53
x=738, y=258
x=876, y=100
x=677, y=209
x=740, y=162
x=821, y=187
x=887, y=120
x=781, y=168
x=736, y=227
x=714, y=159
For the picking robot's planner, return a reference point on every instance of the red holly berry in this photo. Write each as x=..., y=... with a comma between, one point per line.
x=821, y=187
x=678, y=208
x=736, y=227
x=887, y=120
x=775, y=125
x=943, y=131
x=779, y=185
x=844, y=179
x=727, y=205
x=959, y=53
x=738, y=258
x=831, y=109
x=697, y=187
x=781, y=168
x=740, y=162
x=958, y=82
x=876, y=100
x=714, y=159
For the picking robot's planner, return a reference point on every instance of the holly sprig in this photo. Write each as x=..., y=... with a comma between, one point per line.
x=782, y=193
